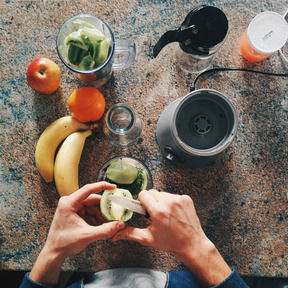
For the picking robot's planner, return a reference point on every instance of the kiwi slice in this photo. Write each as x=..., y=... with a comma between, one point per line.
x=121, y=172
x=75, y=39
x=139, y=184
x=92, y=34
x=87, y=63
x=110, y=210
x=93, y=48
x=103, y=51
x=83, y=23
x=75, y=54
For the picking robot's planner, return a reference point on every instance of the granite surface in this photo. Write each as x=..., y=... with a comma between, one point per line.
x=241, y=199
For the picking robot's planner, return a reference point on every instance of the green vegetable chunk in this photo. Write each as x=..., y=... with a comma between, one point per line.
x=121, y=172
x=110, y=210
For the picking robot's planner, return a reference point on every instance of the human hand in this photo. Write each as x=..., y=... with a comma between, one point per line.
x=77, y=223
x=175, y=228
x=77, y=218
x=174, y=225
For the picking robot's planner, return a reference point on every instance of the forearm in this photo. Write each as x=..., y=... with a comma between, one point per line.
x=206, y=264
x=47, y=267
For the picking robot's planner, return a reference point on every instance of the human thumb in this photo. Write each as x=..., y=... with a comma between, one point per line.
x=143, y=236
x=107, y=230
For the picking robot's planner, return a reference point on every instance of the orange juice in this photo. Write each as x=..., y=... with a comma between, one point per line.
x=266, y=34
x=248, y=52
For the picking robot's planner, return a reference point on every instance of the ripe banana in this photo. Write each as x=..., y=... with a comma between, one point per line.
x=67, y=162
x=49, y=141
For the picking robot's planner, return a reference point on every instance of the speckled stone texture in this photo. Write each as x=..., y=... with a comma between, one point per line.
x=241, y=199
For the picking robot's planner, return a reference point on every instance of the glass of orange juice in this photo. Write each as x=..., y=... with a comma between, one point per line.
x=266, y=34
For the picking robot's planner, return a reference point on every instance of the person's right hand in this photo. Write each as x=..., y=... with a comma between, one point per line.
x=174, y=225
x=175, y=228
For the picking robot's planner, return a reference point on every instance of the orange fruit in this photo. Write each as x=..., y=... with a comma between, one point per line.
x=86, y=104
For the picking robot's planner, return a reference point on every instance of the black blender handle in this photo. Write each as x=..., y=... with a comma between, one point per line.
x=203, y=28
x=180, y=35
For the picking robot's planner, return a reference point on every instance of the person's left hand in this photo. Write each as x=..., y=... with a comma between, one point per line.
x=78, y=221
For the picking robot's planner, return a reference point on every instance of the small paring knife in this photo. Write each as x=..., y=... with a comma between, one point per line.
x=127, y=203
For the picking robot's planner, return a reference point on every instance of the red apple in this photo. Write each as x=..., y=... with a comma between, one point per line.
x=43, y=75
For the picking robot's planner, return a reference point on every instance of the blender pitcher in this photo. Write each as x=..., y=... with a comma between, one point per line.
x=200, y=36
x=121, y=54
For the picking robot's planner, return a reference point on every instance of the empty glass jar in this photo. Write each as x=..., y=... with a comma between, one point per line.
x=122, y=125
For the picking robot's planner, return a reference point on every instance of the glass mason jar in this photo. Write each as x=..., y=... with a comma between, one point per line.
x=122, y=126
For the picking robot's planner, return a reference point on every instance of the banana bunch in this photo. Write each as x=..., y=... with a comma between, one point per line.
x=64, y=170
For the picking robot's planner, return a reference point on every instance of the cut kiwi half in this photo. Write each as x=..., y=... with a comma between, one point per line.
x=110, y=210
x=121, y=172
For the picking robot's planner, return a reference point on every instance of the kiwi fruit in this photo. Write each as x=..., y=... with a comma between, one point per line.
x=75, y=54
x=121, y=172
x=87, y=41
x=75, y=39
x=103, y=52
x=87, y=63
x=93, y=34
x=110, y=210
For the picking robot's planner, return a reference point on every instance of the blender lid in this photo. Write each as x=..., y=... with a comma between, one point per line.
x=212, y=25
x=203, y=28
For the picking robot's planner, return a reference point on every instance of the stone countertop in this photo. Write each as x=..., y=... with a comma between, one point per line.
x=241, y=199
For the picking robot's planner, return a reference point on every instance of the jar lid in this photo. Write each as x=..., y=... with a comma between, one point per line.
x=267, y=32
x=211, y=23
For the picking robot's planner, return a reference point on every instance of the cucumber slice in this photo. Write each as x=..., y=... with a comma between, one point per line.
x=87, y=63
x=75, y=39
x=112, y=211
x=103, y=51
x=121, y=172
